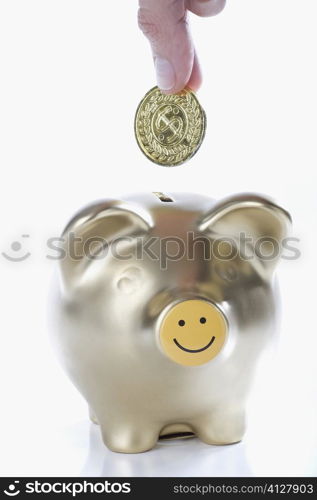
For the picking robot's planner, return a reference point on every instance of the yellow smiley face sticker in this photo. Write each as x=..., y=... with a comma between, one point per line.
x=193, y=332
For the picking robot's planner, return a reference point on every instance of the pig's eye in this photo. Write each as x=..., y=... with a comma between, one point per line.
x=126, y=285
x=130, y=281
x=226, y=272
x=203, y=320
x=181, y=322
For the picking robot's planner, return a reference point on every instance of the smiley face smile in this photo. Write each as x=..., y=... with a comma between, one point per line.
x=194, y=350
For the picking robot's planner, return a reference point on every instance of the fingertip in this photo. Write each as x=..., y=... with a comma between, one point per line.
x=206, y=8
x=193, y=82
x=181, y=80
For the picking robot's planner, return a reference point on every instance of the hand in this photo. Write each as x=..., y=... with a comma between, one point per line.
x=164, y=22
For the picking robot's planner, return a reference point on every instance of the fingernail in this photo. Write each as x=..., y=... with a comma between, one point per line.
x=165, y=74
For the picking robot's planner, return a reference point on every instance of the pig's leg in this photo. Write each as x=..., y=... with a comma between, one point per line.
x=129, y=437
x=223, y=426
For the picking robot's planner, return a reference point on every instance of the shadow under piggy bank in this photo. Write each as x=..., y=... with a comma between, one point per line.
x=172, y=458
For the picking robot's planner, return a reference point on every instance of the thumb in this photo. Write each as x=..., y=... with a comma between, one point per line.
x=164, y=24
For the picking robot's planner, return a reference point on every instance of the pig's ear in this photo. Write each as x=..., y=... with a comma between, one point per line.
x=94, y=228
x=255, y=217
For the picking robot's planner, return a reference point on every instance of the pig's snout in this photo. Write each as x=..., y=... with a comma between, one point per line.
x=192, y=332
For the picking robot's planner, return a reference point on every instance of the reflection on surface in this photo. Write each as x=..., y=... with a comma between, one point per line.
x=179, y=457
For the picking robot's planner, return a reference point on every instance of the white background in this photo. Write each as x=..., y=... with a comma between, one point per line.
x=71, y=75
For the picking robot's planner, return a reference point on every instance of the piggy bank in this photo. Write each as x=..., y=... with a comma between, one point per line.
x=165, y=303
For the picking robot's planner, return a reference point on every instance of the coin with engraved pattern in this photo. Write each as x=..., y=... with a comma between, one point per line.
x=169, y=128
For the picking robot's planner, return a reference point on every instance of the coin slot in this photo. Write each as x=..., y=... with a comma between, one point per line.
x=163, y=197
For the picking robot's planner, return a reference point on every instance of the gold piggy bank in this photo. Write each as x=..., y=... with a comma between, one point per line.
x=164, y=305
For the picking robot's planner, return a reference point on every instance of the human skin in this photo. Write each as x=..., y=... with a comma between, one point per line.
x=165, y=24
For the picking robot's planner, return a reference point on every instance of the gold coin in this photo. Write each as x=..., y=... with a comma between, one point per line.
x=169, y=128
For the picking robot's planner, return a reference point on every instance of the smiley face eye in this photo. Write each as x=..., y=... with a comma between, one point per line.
x=203, y=320
x=181, y=322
